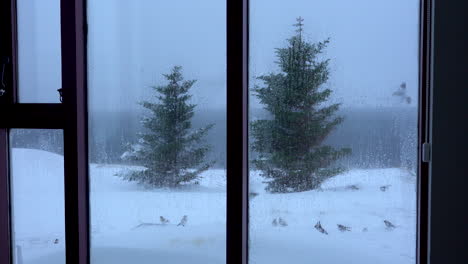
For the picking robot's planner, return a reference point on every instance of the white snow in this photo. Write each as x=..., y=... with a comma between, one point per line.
x=118, y=207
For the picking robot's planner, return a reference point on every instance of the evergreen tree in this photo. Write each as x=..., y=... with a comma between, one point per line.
x=170, y=150
x=289, y=144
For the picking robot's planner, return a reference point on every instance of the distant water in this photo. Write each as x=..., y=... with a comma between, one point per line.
x=378, y=137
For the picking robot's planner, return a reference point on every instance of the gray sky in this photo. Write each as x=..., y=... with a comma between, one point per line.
x=374, y=47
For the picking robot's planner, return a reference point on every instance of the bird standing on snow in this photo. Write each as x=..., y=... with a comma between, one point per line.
x=384, y=188
x=343, y=228
x=319, y=227
x=388, y=224
x=274, y=223
x=183, y=221
x=281, y=222
x=163, y=220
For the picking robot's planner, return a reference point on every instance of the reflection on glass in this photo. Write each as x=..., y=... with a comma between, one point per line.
x=157, y=131
x=39, y=51
x=37, y=196
x=333, y=132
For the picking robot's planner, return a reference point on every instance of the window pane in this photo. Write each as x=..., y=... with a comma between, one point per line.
x=37, y=196
x=333, y=131
x=157, y=178
x=39, y=51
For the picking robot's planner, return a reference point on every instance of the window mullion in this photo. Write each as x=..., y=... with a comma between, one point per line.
x=7, y=12
x=5, y=239
x=423, y=137
x=237, y=132
x=75, y=133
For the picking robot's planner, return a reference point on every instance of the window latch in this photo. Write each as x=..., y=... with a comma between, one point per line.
x=426, y=152
x=5, y=62
x=60, y=94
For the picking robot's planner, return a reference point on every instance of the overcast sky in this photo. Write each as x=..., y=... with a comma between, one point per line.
x=374, y=47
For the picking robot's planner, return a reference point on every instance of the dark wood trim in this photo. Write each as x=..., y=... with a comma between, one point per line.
x=423, y=129
x=237, y=132
x=5, y=238
x=33, y=116
x=14, y=51
x=448, y=199
x=7, y=23
x=72, y=116
x=73, y=23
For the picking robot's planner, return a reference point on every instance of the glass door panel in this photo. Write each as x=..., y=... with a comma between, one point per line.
x=333, y=132
x=157, y=93
x=37, y=196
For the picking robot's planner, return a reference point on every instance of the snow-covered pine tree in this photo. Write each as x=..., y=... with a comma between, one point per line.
x=171, y=151
x=291, y=155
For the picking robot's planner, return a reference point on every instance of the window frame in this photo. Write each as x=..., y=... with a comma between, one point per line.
x=447, y=132
x=69, y=116
x=72, y=115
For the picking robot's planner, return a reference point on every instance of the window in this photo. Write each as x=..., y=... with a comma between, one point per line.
x=39, y=58
x=37, y=191
x=138, y=65
x=111, y=51
x=333, y=131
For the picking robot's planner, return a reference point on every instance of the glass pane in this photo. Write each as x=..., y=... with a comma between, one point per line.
x=37, y=196
x=333, y=131
x=39, y=51
x=156, y=78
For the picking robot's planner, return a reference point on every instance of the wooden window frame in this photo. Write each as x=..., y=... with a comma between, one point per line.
x=71, y=116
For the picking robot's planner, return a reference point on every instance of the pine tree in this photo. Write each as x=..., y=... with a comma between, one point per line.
x=291, y=155
x=170, y=150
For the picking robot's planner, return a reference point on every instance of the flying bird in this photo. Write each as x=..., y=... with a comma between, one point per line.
x=401, y=92
x=183, y=221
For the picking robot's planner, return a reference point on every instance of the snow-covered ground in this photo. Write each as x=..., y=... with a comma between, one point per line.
x=125, y=218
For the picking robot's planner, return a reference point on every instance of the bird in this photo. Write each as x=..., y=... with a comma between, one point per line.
x=253, y=195
x=56, y=241
x=274, y=223
x=282, y=222
x=183, y=221
x=319, y=227
x=401, y=92
x=343, y=228
x=163, y=220
x=364, y=229
x=352, y=187
x=388, y=224
x=384, y=188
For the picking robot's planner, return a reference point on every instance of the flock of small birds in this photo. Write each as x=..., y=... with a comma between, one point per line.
x=281, y=222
